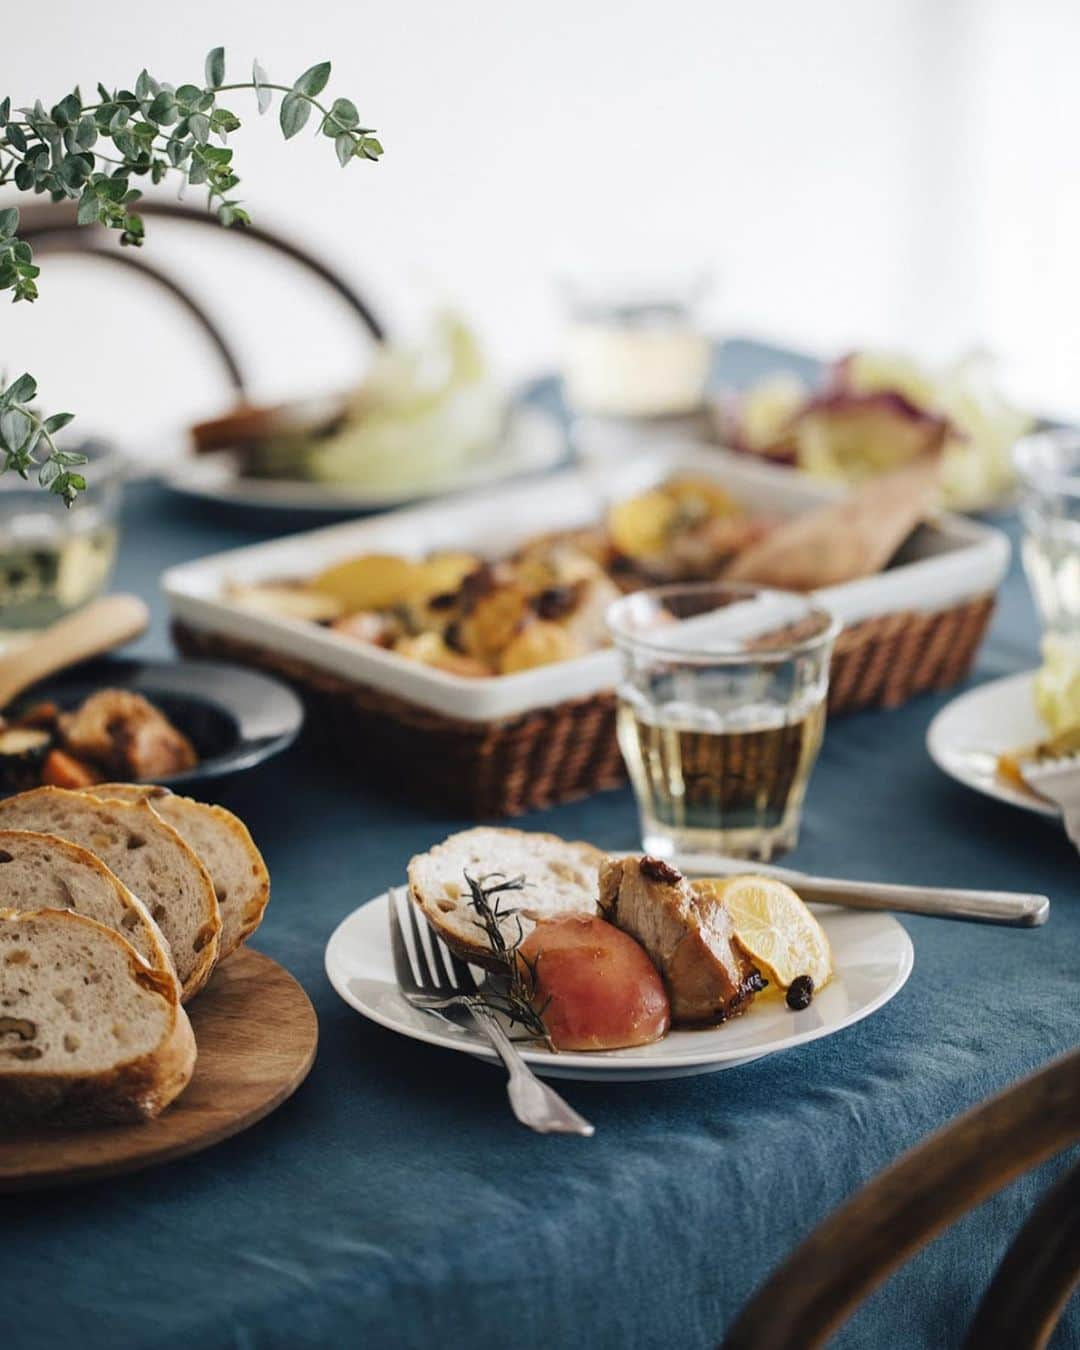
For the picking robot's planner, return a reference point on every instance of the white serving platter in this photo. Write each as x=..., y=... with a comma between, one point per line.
x=968, y=735
x=534, y=441
x=943, y=564
x=872, y=959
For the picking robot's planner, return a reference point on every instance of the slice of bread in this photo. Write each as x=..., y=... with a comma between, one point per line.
x=88, y=1032
x=560, y=878
x=148, y=856
x=223, y=843
x=41, y=871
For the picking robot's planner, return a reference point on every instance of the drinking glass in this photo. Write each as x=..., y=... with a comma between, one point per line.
x=721, y=711
x=1048, y=463
x=53, y=558
x=636, y=359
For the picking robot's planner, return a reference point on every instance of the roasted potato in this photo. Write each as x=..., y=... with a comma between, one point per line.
x=640, y=526
x=538, y=643
x=286, y=602
x=441, y=574
x=371, y=581
x=494, y=619
x=431, y=650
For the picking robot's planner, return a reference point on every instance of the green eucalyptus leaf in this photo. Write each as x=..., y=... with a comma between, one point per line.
x=215, y=68
x=16, y=137
x=15, y=428
x=343, y=111
x=199, y=126
x=56, y=422
x=370, y=148
x=313, y=81
x=189, y=95
x=146, y=87
x=49, y=472
x=345, y=148
x=89, y=207
x=5, y=112
x=163, y=109
x=295, y=110
x=9, y=221
x=222, y=121
x=21, y=390
x=86, y=132
x=24, y=177
x=263, y=96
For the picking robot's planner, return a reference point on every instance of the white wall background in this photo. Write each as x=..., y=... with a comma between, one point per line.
x=896, y=171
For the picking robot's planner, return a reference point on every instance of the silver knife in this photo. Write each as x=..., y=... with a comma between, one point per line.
x=1013, y=908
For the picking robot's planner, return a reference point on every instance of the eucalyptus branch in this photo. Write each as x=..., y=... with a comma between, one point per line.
x=158, y=131
x=23, y=432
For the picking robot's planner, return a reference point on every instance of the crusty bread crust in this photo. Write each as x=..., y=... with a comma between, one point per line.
x=134, y=1090
x=142, y=818
x=238, y=922
x=156, y=951
x=502, y=850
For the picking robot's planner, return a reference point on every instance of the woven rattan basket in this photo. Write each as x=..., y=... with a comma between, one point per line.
x=553, y=754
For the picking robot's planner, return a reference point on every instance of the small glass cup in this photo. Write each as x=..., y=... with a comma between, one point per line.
x=721, y=711
x=636, y=359
x=1048, y=463
x=55, y=559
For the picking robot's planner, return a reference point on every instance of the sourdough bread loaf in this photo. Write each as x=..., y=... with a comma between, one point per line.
x=148, y=856
x=41, y=871
x=559, y=878
x=225, y=847
x=88, y=1032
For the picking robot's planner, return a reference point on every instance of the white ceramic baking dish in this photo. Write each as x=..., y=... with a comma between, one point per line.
x=944, y=563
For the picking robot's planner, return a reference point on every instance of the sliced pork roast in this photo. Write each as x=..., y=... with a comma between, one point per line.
x=689, y=939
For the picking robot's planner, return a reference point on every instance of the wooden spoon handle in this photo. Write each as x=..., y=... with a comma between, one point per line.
x=100, y=626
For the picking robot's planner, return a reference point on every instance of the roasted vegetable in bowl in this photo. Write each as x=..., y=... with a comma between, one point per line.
x=113, y=734
x=876, y=411
x=470, y=616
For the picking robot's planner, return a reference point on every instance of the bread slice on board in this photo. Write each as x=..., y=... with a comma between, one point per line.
x=41, y=871
x=148, y=856
x=560, y=878
x=88, y=1032
x=223, y=843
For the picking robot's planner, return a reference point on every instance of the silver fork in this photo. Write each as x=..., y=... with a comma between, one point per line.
x=1059, y=781
x=444, y=985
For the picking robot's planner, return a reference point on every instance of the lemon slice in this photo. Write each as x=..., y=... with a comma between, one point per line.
x=774, y=927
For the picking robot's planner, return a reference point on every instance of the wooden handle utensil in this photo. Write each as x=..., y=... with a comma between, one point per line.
x=100, y=626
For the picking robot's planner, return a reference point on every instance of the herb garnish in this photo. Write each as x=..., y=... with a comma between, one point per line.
x=515, y=973
x=157, y=130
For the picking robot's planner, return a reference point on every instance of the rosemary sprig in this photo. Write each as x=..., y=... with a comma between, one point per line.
x=516, y=974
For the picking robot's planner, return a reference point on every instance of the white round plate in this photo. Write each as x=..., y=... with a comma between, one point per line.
x=968, y=734
x=534, y=441
x=872, y=956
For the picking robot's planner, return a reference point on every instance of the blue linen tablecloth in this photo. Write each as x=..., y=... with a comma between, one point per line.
x=394, y=1201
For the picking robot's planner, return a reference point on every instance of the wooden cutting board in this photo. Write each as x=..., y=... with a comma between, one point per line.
x=256, y=1033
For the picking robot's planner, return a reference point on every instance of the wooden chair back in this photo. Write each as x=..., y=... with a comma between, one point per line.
x=53, y=229
x=898, y=1212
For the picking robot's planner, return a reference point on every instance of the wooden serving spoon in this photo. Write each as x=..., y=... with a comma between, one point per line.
x=97, y=628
